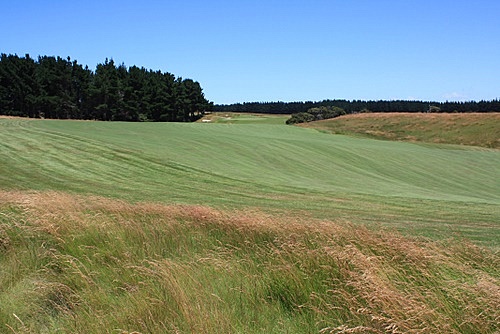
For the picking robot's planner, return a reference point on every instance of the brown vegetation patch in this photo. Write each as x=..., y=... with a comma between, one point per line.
x=474, y=129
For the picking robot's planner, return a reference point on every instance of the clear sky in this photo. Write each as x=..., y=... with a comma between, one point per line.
x=277, y=50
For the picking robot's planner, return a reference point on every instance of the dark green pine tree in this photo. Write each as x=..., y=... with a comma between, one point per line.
x=133, y=93
x=161, y=92
x=190, y=102
x=126, y=108
x=181, y=101
x=57, y=96
x=81, y=79
x=105, y=93
x=198, y=104
x=18, y=87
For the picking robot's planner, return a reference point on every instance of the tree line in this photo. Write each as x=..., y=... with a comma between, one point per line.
x=53, y=87
x=355, y=106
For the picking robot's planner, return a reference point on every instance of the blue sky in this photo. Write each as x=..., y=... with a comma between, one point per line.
x=244, y=51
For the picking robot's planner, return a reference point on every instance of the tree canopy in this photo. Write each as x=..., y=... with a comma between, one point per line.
x=53, y=87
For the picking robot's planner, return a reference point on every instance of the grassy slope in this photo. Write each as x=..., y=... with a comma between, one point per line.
x=463, y=129
x=73, y=264
x=432, y=190
x=80, y=264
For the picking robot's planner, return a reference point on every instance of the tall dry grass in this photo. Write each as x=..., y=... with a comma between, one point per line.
x=474, y=129
x=74, y=264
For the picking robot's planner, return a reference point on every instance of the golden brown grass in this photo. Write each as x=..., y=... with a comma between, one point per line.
x=475, y=129
x=90, y=264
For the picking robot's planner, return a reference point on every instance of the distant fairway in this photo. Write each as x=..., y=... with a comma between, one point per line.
x=244, y=118
x=437, y=191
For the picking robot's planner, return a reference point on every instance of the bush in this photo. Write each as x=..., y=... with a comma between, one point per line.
x=301, y=117
x=316, y=114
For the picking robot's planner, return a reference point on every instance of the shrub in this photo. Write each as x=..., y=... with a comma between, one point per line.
x=301, y=117
x=316, y=114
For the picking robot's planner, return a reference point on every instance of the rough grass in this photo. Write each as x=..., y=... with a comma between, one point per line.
x=79, y=264
x=475, y=129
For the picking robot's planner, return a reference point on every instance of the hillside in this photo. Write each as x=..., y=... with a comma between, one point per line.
x=427, y=190
x=462, y=129
x=247, y=225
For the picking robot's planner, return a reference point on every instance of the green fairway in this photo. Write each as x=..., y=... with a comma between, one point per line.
x=436, y=191
x=244, y=118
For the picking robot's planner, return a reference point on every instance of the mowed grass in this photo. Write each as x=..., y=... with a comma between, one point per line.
x=244, y=118
x=476, y=129
x=435, y=191
x=86, y=264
